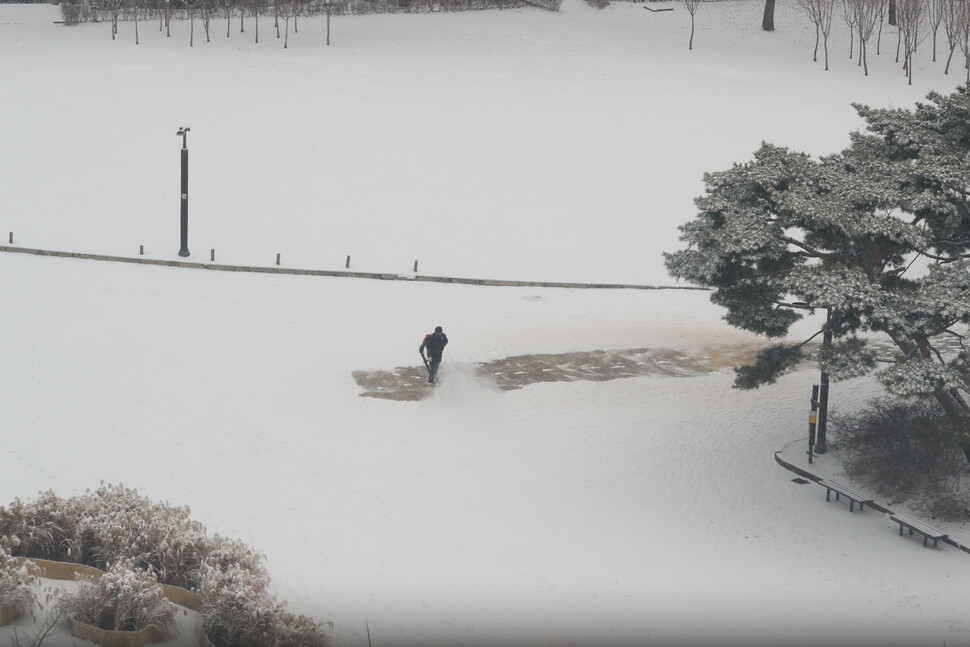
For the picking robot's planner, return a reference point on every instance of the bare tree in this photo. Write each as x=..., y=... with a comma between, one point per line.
x=691, y=9
x=882, y=17
x=911, y=18
x=820, y=13
x=951, y=28
x=206, y=6
x=285, y=11
x=136, y=8
x=850, y=17
x=828, y=10
x=256, y=5
x=114, y=8
x=964, y=35
x=934, y=16
x=812, y=10
x=190, y=6
x=867, y=13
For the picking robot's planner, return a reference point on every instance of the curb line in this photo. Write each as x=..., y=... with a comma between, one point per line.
x=806, y=474
x=338, y=273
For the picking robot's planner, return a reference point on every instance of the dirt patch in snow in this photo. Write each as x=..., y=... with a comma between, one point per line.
x=510, y=373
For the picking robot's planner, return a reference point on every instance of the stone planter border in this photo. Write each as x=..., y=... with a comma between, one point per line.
x=7, y=614
x=107, y=638
x=54, y=570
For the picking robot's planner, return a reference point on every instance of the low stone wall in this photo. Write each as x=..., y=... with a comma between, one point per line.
x=107, y=638
x=183, y=597
x=62, y=570
x=7, y=614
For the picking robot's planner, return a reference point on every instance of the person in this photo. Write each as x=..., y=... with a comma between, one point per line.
x=434, y=343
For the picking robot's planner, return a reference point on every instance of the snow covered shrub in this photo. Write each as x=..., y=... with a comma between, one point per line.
x=40, y=528
x=71, y=12
x=104, y=526
x=141, y=543
x=18, y=581
x=118, y=523
x=599, y=4
x=906, y=451
x=238, y=610
x=125, y=598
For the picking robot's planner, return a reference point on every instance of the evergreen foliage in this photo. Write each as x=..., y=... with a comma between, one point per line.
x=878, y=235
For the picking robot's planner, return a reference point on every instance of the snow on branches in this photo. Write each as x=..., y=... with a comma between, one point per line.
x=878, y=235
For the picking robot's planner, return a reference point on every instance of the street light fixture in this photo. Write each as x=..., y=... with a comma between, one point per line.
x=184, y=248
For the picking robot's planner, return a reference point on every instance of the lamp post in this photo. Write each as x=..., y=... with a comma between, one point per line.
x=184, y=249
x=823, y=394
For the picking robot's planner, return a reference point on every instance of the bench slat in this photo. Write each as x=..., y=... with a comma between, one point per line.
x=839, y=489
x=918, y=526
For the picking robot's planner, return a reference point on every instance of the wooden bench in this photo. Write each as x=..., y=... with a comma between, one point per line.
x=841, y=490
x=928, y=532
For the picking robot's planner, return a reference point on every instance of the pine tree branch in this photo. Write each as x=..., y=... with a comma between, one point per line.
x=811, y=252
x=943, y=259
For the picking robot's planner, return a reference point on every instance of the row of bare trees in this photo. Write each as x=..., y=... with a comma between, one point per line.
x=915, y=21
x=282, y=12
x=206, y=11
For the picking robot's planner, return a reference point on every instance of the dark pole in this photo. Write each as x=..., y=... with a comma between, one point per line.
x=184, y=249
x=823, y=394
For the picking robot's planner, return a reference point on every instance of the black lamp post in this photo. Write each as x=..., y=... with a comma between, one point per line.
x=184, y=249
x=823, y=394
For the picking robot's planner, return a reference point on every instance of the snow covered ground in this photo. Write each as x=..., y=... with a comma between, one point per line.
x=519, y=144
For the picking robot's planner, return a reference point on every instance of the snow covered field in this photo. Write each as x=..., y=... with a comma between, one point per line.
x=519, y=144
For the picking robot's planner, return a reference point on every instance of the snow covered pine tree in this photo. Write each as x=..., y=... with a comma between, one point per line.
x=878, y=235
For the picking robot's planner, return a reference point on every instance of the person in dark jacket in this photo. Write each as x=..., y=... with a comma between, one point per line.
x=435, y=344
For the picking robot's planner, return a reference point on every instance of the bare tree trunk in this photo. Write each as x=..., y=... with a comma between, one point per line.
x=879, y=37
x=136, y=27
x=690, y=45
x=768, y=20
x=862, y=46
x=892, y=14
